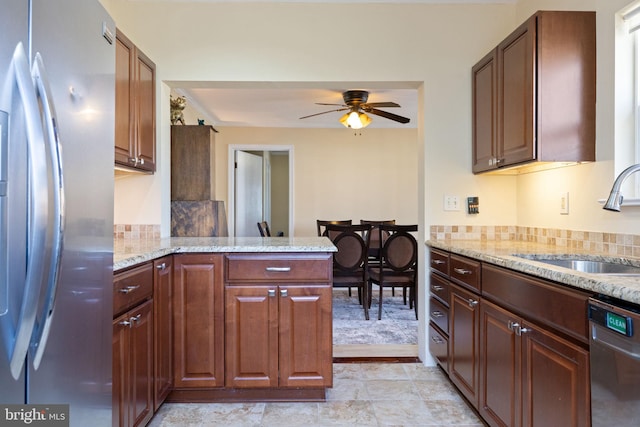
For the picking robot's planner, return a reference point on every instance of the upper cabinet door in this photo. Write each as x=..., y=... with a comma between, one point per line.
x=135, y=138
x=516, y=140
x=484, y=75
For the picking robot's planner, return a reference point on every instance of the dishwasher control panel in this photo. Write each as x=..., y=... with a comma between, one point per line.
x=615, y=318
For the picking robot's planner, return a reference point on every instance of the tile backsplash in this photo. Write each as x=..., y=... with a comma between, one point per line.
x=611, y=243
x=136, y=231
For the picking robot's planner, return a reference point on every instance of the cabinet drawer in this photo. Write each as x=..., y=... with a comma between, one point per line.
x=439, y=347
x=465, y=272
x=279, y=267
x=556, y=306
x=439, y=314
x=439, y=288
x=440, y=261
x=131, y=287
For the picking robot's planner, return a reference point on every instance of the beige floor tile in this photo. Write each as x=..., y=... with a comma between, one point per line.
x=347, y=389
x=348, y=413
x=437, y=390
x=392, y=390
x=291, y=414
x=347, y=370
x=384, y=371
x=401, y=412
x=447, y=412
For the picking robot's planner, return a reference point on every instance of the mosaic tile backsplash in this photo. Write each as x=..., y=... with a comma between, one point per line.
x=612, y=243
x=136, y=231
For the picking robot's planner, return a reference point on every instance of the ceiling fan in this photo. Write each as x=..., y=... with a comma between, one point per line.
x=356, y=102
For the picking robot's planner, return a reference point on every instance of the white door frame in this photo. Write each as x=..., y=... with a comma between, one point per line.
x=231, y=179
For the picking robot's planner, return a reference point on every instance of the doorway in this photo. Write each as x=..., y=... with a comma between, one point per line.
x=260, y=189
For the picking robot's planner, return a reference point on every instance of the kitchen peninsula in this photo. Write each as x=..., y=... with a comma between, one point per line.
x=200, y=319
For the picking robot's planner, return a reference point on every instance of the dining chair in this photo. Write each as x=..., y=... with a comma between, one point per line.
x=263, y=228
x=377, y=239
x=322, y=224
x=350, y=262
x=398, y=266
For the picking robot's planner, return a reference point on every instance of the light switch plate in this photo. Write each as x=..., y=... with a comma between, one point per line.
x=451, y=203
x=564, y=203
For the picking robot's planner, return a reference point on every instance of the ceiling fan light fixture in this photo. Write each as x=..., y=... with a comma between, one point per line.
x=355, y=120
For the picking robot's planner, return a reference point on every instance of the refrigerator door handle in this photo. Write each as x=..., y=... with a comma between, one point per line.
x=37, y=213
x=43, y=92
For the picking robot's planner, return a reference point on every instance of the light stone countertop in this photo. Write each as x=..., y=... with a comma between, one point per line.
x=502, y=253
x=127, y=253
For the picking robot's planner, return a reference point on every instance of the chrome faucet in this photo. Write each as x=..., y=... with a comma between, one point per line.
x=615, y=198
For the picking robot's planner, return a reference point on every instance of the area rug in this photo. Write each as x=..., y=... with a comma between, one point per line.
x=397, y=326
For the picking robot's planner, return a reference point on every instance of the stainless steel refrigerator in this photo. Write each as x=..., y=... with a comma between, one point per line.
x=57, y=86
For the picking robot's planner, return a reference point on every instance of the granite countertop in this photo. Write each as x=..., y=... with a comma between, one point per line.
x=503, y=253
x=127, y=253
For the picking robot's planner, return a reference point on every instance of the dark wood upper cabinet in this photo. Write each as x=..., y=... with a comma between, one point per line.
x=135, y=138
x=534, y=96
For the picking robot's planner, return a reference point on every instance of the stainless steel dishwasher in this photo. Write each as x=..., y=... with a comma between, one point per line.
x=615, y=362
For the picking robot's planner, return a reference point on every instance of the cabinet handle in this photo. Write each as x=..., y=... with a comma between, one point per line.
x=278, y=269
x=462, y=271
x=521, y=331
x=271, y=292
x=128, y=289
x=161, y=266
x=472, y=302
x=437, y=288
x=437, y=261
x=284, y=293
x=437, y=340
x=437, y=313
x=125, y=323
x=135, y=318
x=512, y=325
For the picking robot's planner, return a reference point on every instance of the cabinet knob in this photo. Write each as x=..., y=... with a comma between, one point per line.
x=284, y=293
x=161, y=266
x=472, y=303
x=271, y=292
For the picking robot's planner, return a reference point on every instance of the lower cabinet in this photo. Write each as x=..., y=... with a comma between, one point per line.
x=278, y=336
x=198, y=313
x=529, y=375
x=464, y=341
x=133, y=367
x=162, y=329
x=517, y=345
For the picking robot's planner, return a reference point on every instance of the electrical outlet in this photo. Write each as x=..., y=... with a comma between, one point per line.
x=564, y=203
x=451, y=203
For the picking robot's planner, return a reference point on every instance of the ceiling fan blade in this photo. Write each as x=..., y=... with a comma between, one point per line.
x=324, y=103
x=388, y=115
x=380, y=105
x=324, y=112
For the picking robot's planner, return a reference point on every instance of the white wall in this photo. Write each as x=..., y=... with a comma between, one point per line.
x=337, y=175
x=433, y=46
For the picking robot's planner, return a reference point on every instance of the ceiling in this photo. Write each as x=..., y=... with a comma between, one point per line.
x=282, y=105
x=268, y=104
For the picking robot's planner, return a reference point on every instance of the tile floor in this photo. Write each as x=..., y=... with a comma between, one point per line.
x=365, y=394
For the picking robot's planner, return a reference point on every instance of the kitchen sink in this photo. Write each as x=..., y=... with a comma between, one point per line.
x=589, y=266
